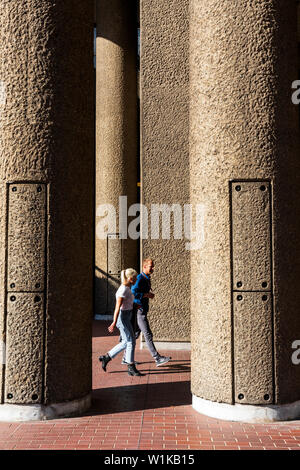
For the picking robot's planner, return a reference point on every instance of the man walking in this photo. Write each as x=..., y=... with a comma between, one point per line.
x=142, y=293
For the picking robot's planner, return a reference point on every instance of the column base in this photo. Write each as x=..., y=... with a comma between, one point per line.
x=247, y=413
x=14, y=413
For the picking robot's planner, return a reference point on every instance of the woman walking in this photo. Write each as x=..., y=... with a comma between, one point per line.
x=122, y=320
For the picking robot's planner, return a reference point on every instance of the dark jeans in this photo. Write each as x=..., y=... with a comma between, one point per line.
x=134, y=322
x=142, y=325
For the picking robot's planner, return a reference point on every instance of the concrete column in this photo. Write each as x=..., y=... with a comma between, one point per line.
x=46, y=212
x=165, y=164
x=244, y=171
x=116, y=144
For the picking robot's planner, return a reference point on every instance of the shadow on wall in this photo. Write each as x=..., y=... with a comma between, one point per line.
x=100, y=329
x=140, y=397
x=105, y=288
x=112, y=16
x=100, y=291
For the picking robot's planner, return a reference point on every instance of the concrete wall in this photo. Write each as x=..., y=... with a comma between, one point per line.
x=165, y=156
x=116, y=141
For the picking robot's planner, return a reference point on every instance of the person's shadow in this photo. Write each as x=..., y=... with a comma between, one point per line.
x=168, y=368
x=140, y=397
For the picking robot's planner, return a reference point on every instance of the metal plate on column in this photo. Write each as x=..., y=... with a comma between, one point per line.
x=251, y=235
x=26, y=237
x=114, y=254
x=24, y=348
x=253, y=347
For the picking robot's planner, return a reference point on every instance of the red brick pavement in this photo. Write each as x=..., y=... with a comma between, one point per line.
x=152, y=412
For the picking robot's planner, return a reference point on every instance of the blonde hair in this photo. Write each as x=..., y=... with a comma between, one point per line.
x=127, y=273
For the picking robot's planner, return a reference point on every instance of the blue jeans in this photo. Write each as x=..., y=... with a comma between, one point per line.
x=127, y=335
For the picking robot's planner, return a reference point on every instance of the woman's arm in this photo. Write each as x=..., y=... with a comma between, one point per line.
x=116, y=314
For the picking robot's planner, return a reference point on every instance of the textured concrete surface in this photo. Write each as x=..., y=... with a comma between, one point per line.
x=116, y=139
x=46, y=113
x=243, y=126
x=164, y=156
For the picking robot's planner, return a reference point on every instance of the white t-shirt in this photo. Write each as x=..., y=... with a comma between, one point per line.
x=127, y=296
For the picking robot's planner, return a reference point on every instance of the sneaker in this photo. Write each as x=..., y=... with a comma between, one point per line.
x=162, y=360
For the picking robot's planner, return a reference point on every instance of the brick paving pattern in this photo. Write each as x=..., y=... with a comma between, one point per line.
x=152, y=412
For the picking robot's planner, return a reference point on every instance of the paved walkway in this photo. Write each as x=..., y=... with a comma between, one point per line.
x=151, y=413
